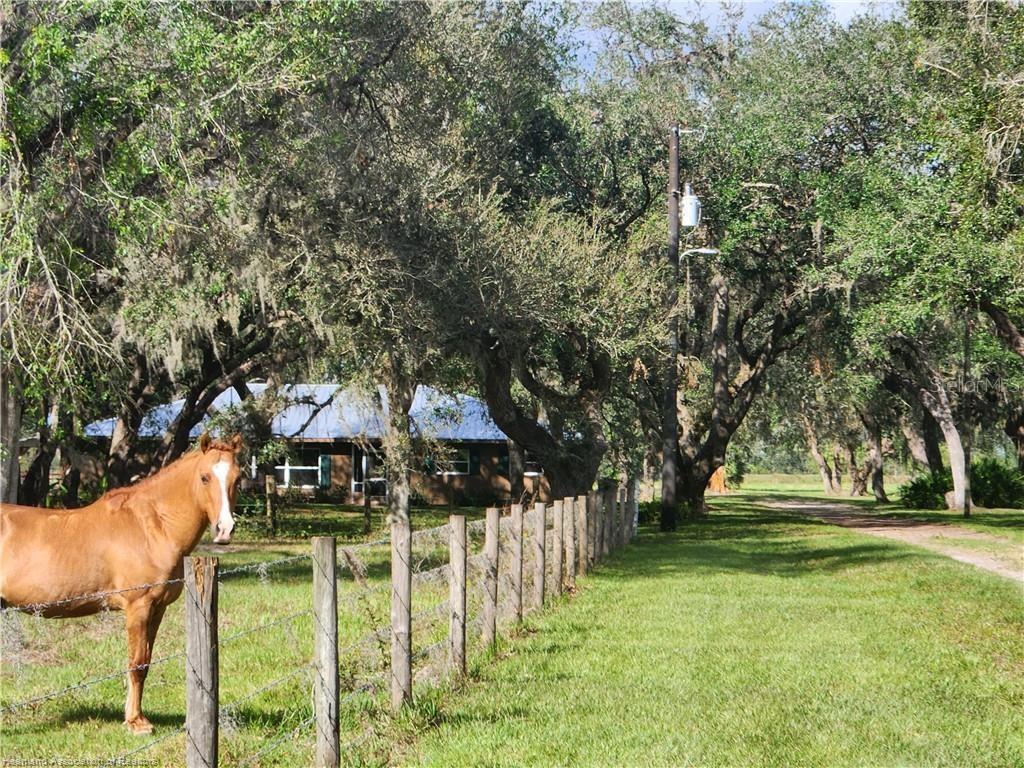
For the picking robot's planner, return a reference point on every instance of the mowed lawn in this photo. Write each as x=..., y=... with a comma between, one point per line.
x=751, y=639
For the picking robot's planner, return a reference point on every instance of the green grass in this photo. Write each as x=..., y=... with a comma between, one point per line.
x=752, y=639
x=1005, y=523
x=41, y=655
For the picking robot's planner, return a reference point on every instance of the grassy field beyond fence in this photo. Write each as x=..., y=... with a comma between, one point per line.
x=753, y=638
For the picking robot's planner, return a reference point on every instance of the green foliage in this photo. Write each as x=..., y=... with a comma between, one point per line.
x=736, y=469
x=650, y=512
x=995, y=485
x=926, y=491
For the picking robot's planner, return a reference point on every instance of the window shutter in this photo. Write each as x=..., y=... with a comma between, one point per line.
x=325, y=470
x=474, y=461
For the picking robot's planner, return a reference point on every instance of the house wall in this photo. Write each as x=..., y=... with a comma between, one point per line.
x=489, y=486
x=341, y=470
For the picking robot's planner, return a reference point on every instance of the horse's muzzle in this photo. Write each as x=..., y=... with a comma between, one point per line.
x=221, y=536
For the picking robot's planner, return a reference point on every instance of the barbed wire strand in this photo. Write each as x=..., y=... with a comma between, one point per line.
x=38, y=608
x=55, y=694
x=120, y=759
x=267, y=625
x=261, y=567
x=271, y=745
x=232, y=707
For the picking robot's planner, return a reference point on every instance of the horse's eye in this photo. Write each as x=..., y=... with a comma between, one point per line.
x=205, y=479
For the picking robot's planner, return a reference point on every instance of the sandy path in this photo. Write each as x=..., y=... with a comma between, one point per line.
x=935, y=537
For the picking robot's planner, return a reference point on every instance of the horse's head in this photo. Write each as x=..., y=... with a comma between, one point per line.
x=217, y=484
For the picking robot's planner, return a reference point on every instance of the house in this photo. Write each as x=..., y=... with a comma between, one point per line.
x=334, y=434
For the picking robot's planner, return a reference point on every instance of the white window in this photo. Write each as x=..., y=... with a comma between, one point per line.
x=456, y=464
x=302, y=472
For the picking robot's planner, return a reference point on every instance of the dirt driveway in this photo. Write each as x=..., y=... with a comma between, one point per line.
x=959, y=543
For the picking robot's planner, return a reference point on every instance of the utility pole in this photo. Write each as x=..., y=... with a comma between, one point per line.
x=670, y=424
x=966, y=432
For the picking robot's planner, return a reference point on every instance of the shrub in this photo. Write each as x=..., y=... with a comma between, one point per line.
x=926, y=491
x=994, y=484
x=650, y=512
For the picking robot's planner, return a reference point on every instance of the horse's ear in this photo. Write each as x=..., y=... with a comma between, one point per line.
x=236, y=442
x=204, y=442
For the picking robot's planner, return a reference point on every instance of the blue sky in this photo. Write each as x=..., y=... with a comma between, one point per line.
x=844, y=10
x=713, y=11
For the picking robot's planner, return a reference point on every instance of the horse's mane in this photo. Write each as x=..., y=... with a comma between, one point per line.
x=113, y=494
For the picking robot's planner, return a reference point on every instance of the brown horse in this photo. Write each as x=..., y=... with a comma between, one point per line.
x=63, y=563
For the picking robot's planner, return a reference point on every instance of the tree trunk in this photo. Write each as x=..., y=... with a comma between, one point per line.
x=819, y=459
x=915, y=441
x=875, y=456
x=1006, y=329
x=937, y=403
x=36, y=485
x=400, y=388
x=570, y=465
x=693, y=483
x=957, y=461
x=837, y=469
x=933, y=450
x=10, y=435
x=516, y=467
x=702, y=446
x=858, y=475
x=694, y=475
x=1015, y=431
x=121, y=459
x=929, y=389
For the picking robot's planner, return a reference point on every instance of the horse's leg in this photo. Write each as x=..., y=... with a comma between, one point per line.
x=142, y=620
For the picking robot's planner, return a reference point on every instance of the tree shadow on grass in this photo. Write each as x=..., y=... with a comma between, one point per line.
x=756, y=543
x=1008, y=519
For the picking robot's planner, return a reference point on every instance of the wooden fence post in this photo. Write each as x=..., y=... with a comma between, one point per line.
x=539, y=532
x=604, y=520
x=593, y=528
x=201, y=662
x=557, y=546
x=270, y=492
x=493, y=527
x=325, y=651
x=582, y=535
x=570, y=543
x=517, y=560
x=401, y=611
x=623, y=536
x=457, y=594
x=607, y=514
x=631, y=509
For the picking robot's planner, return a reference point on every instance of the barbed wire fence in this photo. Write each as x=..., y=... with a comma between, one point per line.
x=469, y=581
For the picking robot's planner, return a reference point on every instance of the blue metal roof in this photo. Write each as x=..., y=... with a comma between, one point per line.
x=345, y=414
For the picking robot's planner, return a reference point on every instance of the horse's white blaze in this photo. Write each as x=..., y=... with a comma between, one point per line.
x=225, y=523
